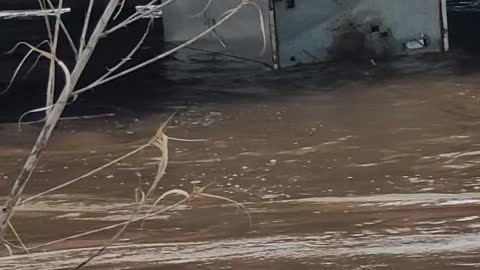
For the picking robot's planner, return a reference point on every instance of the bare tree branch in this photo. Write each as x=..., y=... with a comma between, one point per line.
x=52, y=119
x=131, y=54
x=24, y=177
x=227, y=16
x=86, y=23
x=137, y=16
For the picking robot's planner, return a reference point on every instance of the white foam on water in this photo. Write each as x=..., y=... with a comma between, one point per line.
x=261, y=248
x=468, y=218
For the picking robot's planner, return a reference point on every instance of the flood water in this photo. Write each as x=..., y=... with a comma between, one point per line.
x=347, y=166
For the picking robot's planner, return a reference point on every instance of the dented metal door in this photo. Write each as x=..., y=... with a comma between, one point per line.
x=323, y=30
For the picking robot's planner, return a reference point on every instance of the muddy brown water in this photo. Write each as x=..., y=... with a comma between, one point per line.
x=358, y=167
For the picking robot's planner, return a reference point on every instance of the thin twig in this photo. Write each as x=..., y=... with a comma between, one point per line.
x=53, y=50
x=204, y=9
x=137, y=16
x=179, y=192
x=186, y=140
x=64, y=29
x=227, y=16
x=198, y=192
x=18, y=237
x=161, y=141
x=131, y=54
x=100, y=168
x=237, y=204
x=13, y=245
x=43, y=109
x=137, y=219
x=32, y=67
x=86, y=23
x=71, y=81
x=92, y=172
x=20, y=65
x=43, y=6
x=7, y=246
x=262, y=27
x=69, y=38
x=120, y=9
x=93, y=116
x=24, y=177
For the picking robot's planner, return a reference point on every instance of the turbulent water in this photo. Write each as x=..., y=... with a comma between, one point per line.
x=462, y=5
x=341, y=167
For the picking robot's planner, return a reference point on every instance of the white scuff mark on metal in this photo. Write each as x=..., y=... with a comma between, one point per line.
x=416, y=44
x=14, y=14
